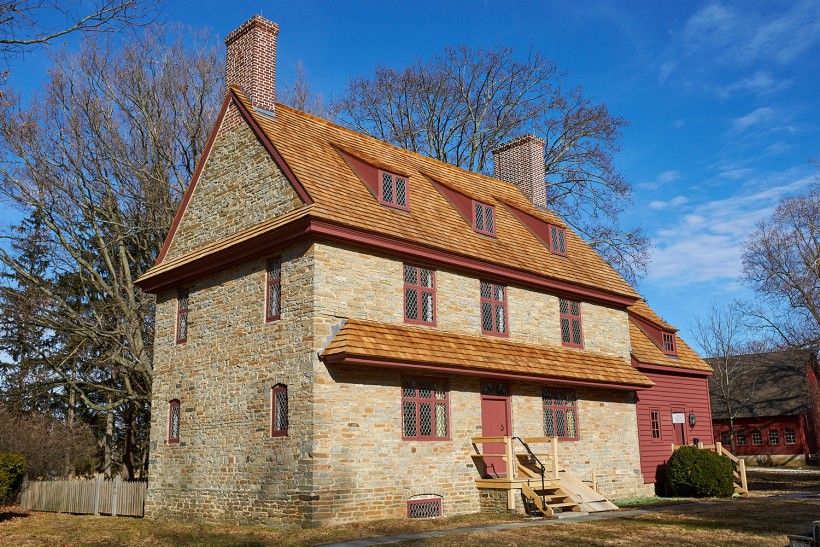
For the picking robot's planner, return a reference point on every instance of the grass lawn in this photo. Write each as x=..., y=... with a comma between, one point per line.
x=755, y=521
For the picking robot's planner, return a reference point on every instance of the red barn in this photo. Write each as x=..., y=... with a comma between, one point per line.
x=676, y=410
x=775, y=408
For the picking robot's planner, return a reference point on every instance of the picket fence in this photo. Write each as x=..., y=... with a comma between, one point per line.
x=86, y=496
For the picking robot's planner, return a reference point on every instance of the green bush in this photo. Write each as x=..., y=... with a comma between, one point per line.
x=694, y=472
x=12, y=471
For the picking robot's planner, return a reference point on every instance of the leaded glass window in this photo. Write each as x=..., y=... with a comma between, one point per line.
x=424, y=409
x=182, y=316
x=273, y=291
x=560, y=413
x=484, y=218
x=558, y=244
x=570, y=317
x=279, y=411
x=173, y=421
x=393, y=190
x=493, y=308
x=419, y=295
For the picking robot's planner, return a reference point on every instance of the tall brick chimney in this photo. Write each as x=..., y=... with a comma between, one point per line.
x=521, y=162
x=251, y=62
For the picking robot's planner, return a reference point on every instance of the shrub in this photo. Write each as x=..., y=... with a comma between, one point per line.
x=694, y=472
x=12, y=471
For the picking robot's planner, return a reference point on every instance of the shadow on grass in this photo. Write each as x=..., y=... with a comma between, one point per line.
x=9, y=515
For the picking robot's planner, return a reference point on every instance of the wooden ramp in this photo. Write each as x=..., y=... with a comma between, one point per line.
x=587, y=499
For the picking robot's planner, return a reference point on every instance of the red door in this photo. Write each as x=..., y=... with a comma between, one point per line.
x=679, y=414
x=495, y=422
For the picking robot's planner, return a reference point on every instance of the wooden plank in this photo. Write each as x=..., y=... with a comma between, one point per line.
x=536, y=440
x=482, y=440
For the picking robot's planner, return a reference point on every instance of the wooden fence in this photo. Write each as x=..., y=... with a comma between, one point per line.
x=86, y=496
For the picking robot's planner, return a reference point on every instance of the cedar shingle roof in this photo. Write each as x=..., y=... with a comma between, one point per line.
x=418, y=345
x=775, y=385
x=645, y=351
x=310, y=147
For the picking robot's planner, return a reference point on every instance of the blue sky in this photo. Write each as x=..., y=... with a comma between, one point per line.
x=722, y=100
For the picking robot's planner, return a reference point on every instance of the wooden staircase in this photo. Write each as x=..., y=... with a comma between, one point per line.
x=546, y=490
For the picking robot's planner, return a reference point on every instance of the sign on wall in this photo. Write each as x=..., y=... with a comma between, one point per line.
x=678, y=418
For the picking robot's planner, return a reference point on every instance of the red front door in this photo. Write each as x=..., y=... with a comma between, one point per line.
x=495, y=422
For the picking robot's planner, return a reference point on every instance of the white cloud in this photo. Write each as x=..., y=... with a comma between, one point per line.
x=704, y=245
x=761, y=83
x=755, y=117
x=663, y=179
x=677, y=201
x=737, y=37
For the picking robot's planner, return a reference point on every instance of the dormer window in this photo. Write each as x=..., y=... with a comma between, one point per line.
x=393, y=190
x=483, y=218
x=558, y=240
x=669, y=344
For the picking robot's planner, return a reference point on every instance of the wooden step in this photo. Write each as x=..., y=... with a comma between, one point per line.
x=562, y=505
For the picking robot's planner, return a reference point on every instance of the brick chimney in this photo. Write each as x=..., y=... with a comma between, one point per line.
x=251, y=62
x=521, y=162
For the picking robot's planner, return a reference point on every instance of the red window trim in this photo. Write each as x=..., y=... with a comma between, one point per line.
x=484, y=207
x=493, y=305
x=769, y=437
x=419, y=290
x=570, y=317
x=418, y=400
x=553, y=250
x=424, y=501
x=270, y=281
x=786, y=433
x=380, y=190
x=655, y=419
x=741, y=434
x=174, y=402
x=553, y=408
x=668, y=337
x=182, y=294
x=274, y=411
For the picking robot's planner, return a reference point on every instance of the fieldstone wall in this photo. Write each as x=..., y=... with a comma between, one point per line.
x=364, y=470
x=240, y=186
x=226, y=466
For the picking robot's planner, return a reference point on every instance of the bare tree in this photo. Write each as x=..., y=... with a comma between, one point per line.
x=102, y=161
x=722, y=335
x=781, y=262
x=301, y=96
x=23, y=22
x=464, y=103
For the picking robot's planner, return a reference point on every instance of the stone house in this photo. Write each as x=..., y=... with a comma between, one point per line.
x=337, y=319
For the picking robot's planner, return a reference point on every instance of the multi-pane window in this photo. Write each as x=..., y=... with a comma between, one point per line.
x=570, y=313
x=182, y=316
x=393, y=190
x=757, y=438
x=273, y=289
x=493, y=308
x=741, y=438
x=279, y=411
x=424, y=409
x=789, y=435
x=419, y=295
x=774, y=436
x=558, y=240
x=173, y=421
x=560, y=413
x=655, y=423
x=669, y=343
x=725, y=438
x=484, y=218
